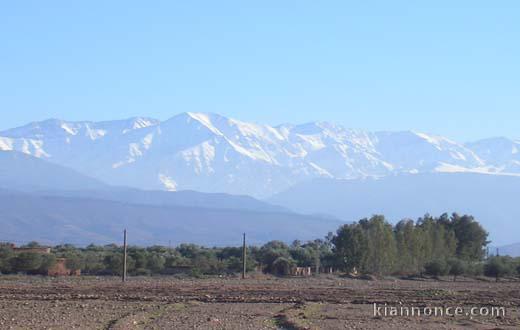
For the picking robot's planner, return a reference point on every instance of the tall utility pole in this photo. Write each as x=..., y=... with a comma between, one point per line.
x=124, y=256
x=317, y=262
x=244, y=257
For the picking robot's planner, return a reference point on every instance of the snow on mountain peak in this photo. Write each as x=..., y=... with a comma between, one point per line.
x=69, y=128
x=501, y=153
x=213, y=153
x=204, y=119
x=139, y=122
x=435, y=140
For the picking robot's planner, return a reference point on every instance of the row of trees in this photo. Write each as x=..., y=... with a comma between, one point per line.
x=494, y=266
x=26, y=262
x=436, y=246
x=276, y=257
x=374, y=246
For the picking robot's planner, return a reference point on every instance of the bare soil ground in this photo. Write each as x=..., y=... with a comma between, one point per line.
x=324, y=302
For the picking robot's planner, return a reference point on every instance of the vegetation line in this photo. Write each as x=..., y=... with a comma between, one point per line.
x=435, y=246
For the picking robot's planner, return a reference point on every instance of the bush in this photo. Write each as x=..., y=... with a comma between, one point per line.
x=6, y=254
x=114, y=264
x=48, y=261
x=142, y=272
x=271, y=252
x=475, y=268
x=155, y=263
x=73, y=261
x=92, y=262
x=436, y=268
x=234, y=264
x=282, y=266
x=498, y=267
x=456, y=267
x=195, y=272
x=27, y=262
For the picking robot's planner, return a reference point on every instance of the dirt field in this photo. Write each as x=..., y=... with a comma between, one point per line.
x=326, y=302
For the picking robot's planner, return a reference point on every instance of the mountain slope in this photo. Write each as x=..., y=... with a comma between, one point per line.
x=23, y=172
x=83, y=221
x=491, y=199
x=213, y=153
x=19, y=171
x=500, y=153
x=185, y=198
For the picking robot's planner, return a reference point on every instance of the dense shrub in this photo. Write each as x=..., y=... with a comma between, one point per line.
x=282, y=266
x=498, y=267
x=436, y=267
x=26, y=262
x=456, y=267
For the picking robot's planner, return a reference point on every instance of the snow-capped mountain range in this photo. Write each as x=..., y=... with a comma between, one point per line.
x=213, y=153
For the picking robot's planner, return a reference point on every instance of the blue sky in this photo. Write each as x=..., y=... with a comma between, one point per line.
x=445, y=67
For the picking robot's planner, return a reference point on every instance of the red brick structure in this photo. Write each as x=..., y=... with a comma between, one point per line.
x=60, y=269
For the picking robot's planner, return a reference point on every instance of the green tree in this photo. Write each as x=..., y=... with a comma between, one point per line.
x=471, y=237
x=270, y=252
x=456, y=267
x=282, y=266
x=190, y=251
x=27, y=262
x=140, y=256
x=381, y=249
x=497, y=267
x=436, y=268
x=474, y=268
x=349, y=247
x=73, y=261
x=114, y=264
x=6, y=254
x=303, y=256
x=437, y=240
x=228, y=252
x=47, y=262
x=155, y=263
x=92, y=261
x=408, y=244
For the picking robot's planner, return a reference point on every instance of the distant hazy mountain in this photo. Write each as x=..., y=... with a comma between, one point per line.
x=171, y=198
x=512, y=250
x=492, y=199
x=500, y=153
x=82, y=221
x=20, y=171
x=212, y=153
x=53, y=204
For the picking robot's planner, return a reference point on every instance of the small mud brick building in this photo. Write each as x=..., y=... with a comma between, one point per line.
x=60, y=269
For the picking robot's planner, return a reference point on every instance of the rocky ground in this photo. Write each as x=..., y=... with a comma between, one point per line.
x=325, y=302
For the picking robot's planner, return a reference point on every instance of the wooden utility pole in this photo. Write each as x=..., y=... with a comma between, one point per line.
x=317, y=262
x=124, y=256
x=244, y=257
